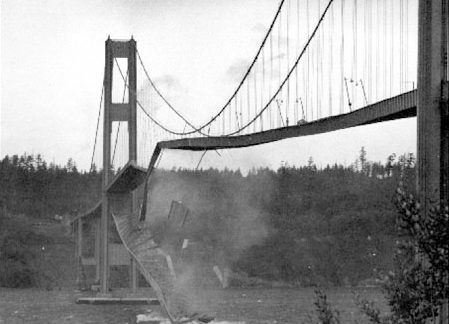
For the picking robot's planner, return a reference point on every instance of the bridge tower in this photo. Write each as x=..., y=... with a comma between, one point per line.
x=124, y=112
x=432, y=108
x=432, y=105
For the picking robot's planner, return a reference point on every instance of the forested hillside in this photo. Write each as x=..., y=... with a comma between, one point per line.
x=32, y=187
x=302, y=225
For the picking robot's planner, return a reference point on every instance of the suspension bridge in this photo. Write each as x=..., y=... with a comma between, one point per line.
x=322, y=66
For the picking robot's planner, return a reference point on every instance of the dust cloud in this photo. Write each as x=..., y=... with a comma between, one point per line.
x=222, y=223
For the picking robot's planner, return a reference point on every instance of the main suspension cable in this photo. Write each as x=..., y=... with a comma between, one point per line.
x=198, y=129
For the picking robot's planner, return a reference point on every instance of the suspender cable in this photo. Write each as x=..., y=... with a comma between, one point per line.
x=354, y=53
x=342, y=56
x=249, y=102
x=331, y=59
x=391, y=47
x=241, y=107
x=365, y=50
x=255, y=98
x=296, y=70
x=228, y=117
x=287, y=106
x=263, y=87
x=377, y=63
x=306, y=68
x=384, y=63
x=98, y=124
x=279, y=101
x=236, y=113
x=271, y=77
x=406, y=45
x=316, y=70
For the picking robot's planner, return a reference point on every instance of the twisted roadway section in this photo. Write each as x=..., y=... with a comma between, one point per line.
x=152, y=260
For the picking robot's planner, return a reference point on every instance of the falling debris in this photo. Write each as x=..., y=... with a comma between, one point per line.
x=170, y=236
x=155, y=318
x=177, y=215
x=152, y=318
x=222, y=276
x=170, y=266
x=218, y=273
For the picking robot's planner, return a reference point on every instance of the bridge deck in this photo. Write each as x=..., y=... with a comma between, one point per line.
x=129, y=178
x=132, y=176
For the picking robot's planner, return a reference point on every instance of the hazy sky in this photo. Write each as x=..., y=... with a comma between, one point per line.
x=52, y=63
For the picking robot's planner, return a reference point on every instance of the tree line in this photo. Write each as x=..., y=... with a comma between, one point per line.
x=304, y=225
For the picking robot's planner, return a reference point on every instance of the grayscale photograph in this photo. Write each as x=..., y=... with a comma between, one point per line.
x=224, y=162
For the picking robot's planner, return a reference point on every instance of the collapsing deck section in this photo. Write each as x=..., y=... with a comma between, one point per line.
x=137, y=238
x=127, y=179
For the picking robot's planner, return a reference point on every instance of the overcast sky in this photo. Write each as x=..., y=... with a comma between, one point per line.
x=52, y=63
